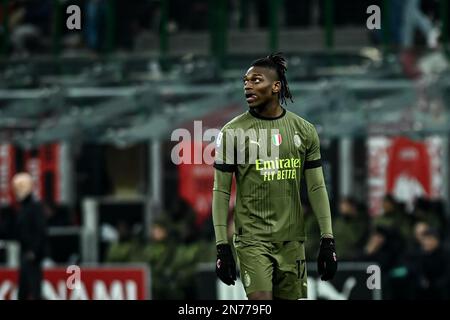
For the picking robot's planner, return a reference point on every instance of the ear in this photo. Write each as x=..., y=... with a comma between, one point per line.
x=276, y=87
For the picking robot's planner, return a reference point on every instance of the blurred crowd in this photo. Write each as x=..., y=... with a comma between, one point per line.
x=411, y=247
x=40, y=26
x=409, y=243
x=174, y=246
x=36, y=27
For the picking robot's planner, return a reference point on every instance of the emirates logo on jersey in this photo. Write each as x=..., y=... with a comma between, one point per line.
x=276, y=139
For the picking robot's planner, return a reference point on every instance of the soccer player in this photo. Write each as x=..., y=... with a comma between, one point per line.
x=269, y=223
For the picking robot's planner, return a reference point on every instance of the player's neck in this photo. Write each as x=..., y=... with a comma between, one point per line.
x=270, y=110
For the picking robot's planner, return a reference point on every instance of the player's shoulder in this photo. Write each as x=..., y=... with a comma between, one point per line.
x=236, y=122
x=300, y=121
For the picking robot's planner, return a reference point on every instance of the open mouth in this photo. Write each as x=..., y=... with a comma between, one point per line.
x=250, y=97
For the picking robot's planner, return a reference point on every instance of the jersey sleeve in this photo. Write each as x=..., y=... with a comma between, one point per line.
x=225, y=156
x=313, y=158
x=318, y=197
x=220, y=204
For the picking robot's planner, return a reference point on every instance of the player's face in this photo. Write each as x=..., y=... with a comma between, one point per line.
x=260, y=86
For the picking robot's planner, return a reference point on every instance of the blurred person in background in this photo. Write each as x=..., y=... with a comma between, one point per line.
x=432, y=213
x=413, y=18
x=350, y=229
x=31, y=232
x=191, y=17
x=94, y=30
x=396, y=20
x=183, y=219
x=385, y=247
x=431, y=267
x=403, y=276
x=395, y=9
x=125, y=248
x=184, y=267
x=394, y=217
x=192, y=247
x=157, y=250
x=420, y=227
x=129, y=16
x=174, y=256
x=159, y=254
x=29, y=24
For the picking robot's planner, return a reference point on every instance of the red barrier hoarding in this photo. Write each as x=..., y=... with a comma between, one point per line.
x=44, y=160
x=7, y=170
x=404, y=168
x=95, y=283
x=196, y=183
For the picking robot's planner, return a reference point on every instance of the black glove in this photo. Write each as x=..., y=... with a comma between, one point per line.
x=225, y=265
x=327, y=261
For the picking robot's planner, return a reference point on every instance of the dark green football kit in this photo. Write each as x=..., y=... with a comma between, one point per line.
x=269, y=157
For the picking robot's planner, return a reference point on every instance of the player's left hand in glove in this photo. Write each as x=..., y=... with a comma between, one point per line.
x=225, y=265
x=327, y=260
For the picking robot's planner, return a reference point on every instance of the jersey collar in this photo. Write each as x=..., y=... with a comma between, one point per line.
x=256, y=115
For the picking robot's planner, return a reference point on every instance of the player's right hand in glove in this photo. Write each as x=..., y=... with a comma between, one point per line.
x=225, y=265
x=327, y=261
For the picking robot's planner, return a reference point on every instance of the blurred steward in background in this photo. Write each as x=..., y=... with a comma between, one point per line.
x=351, y=228
x=30, y=231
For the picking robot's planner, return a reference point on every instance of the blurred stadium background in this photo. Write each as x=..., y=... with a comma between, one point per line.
x=89, y=113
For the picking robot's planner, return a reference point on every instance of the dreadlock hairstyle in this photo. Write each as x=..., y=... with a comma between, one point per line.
x=278, y=63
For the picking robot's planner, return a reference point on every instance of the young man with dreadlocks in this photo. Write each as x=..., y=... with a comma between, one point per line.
x=269, y=223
